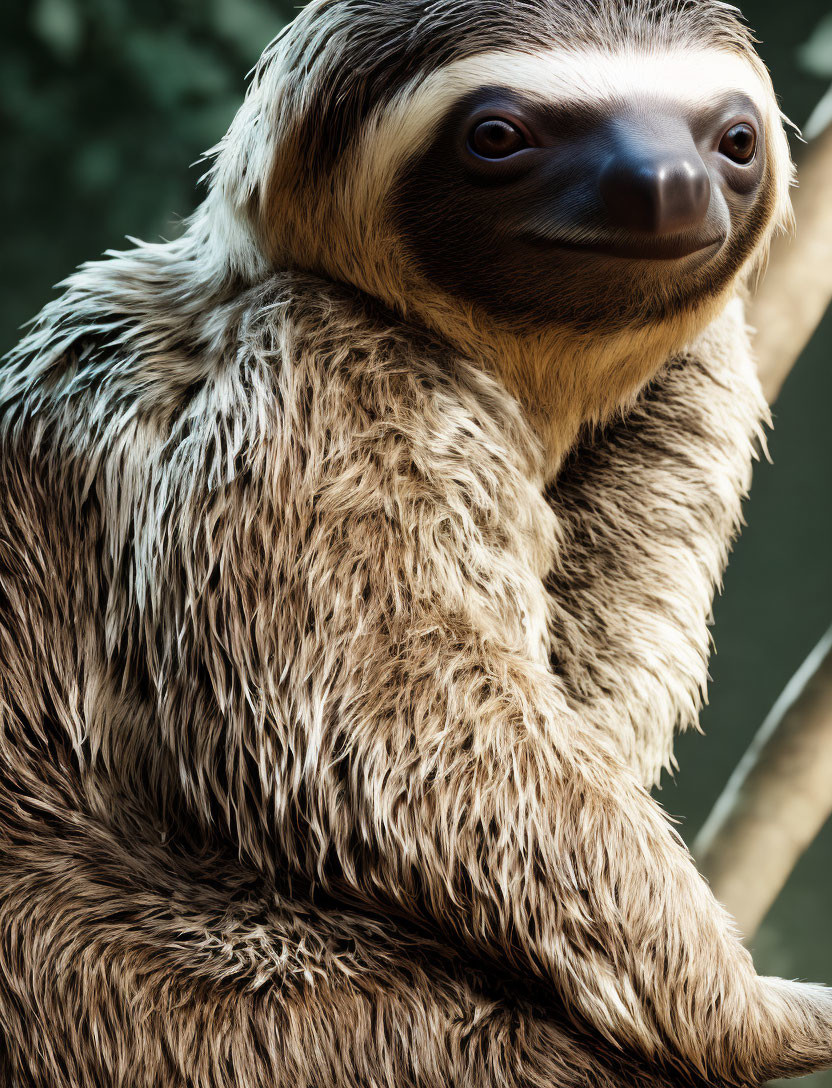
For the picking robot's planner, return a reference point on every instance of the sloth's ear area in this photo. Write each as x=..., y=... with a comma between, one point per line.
x=774, y=142
x=230, y=219
x=251, y=163
x=784, y=221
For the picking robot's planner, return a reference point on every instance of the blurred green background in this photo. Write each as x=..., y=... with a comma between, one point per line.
x=105, y=106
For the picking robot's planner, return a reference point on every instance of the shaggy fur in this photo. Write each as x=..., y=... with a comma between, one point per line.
x=326, y=704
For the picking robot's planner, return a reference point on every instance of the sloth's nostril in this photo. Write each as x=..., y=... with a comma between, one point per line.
x=661, y=195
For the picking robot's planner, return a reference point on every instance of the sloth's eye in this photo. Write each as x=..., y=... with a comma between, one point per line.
x=739, y=143
x=496, y=139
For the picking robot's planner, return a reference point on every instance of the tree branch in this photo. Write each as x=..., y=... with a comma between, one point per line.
x=797, y=287
x=777, y=799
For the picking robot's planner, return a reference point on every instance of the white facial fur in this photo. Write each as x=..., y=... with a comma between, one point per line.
x=684, y=76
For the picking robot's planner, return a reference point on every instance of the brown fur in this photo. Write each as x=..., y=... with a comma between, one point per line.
x=324, y=722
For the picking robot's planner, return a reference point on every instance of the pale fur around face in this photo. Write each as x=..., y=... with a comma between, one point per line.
x=324, y=722
x=339, y=221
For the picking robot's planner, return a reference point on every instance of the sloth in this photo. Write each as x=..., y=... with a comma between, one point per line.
x=357, y=551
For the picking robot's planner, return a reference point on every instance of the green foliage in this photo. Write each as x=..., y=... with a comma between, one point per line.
x=816, y=53
x=105, y=107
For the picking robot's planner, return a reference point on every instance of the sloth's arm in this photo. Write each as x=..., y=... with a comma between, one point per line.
x=648, y=507
x=406, y=748
x=353, y=640
x=456, y=785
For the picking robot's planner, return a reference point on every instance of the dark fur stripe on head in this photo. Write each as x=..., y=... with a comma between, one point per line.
x=350, y=56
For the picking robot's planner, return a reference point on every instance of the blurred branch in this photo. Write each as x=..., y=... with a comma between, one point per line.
x=777, y=799
x=780, y=795
x=797, y=287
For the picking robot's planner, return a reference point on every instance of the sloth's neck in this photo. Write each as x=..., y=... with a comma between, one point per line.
x=568, y=383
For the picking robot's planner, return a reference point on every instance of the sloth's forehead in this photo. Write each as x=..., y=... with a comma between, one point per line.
x=692, y=78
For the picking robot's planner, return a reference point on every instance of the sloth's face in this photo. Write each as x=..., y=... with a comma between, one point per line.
x=596, y=198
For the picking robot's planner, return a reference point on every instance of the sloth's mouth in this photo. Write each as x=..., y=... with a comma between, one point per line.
x=669, y=249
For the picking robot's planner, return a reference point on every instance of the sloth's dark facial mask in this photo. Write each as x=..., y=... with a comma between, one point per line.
x=592, y=216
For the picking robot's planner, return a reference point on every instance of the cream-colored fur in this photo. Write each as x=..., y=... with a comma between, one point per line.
x=334, y=667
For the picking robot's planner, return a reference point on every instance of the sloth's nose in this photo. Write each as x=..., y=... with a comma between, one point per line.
x=661, y=192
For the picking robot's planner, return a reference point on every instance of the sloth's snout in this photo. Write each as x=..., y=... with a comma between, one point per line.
x=659, y=191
